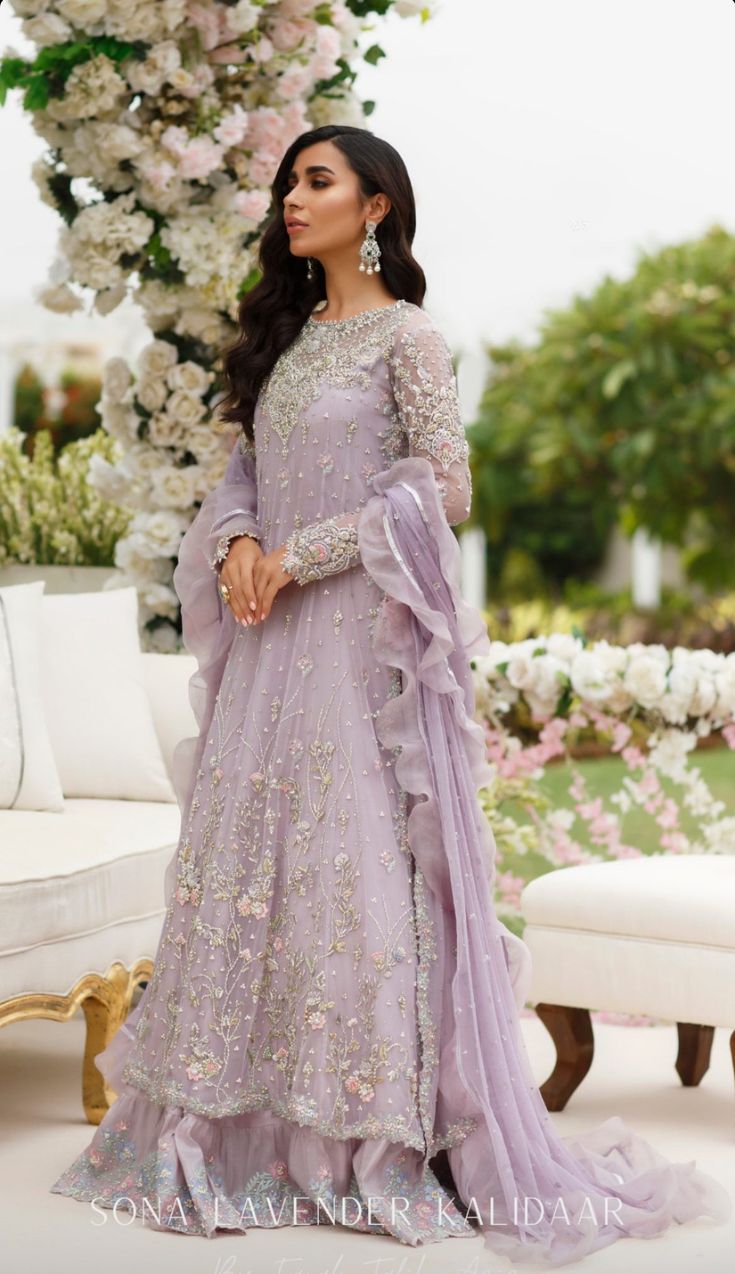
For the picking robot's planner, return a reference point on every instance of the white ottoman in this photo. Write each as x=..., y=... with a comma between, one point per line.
x=652, y=935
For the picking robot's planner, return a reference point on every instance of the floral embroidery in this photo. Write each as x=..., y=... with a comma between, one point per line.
x=323, y=549
x=292, y=976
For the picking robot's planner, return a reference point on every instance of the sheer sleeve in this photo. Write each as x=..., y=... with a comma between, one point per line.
x=232, y=508
x=425, y=392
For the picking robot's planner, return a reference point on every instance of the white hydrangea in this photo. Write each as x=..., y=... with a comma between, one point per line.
x=93, y=88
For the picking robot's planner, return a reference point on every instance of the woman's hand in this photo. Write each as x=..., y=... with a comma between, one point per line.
x=237, y=573
x=268, y=577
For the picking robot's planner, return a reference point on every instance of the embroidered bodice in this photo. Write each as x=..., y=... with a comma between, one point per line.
x=342, y=403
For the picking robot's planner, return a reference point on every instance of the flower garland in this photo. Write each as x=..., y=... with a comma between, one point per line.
x=652, y=705
x=165, y=125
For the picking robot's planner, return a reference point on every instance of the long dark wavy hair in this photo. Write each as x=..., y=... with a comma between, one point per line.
x=273, y=312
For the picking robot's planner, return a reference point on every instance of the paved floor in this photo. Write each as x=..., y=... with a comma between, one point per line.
x=42, y=1129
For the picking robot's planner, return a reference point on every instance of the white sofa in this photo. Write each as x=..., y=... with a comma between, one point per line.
x=651, y=935
x=81, y=893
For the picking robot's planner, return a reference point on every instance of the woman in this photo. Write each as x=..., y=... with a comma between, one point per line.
x=334, y=1004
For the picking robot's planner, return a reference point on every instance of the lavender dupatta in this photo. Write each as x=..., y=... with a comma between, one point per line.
x=429, y=631
x=514, y=1158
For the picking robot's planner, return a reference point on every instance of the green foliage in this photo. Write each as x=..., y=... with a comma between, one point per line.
x=46, y=76
x=623, y=409
x=49, y=513
x=589, y=613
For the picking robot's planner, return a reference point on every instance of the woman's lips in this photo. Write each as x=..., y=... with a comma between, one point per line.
x=296, y=227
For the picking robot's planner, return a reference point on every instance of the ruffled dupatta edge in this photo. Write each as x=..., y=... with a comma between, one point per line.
x=539, y=1197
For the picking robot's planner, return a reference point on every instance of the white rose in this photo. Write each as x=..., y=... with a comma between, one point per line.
x=150, y=75
x=28, y=8
x=128, y=559
x=185, y=407
x=141, y=459
x=676, y=704
x=47, y=29
x=107, y=479
x=158, y=534
x=563, y=646
x=522, y=671
x=724, y=689
x=173, y=488
x=590, y=680
x=551, y=677
x=109, y=299
x=156, y=359
x=164, y=431
x=242, y=17
x=116, y=380
x=612, y=659
x=205, y=444
x=190, y=377
x=82, y=13
x=119, y=420
x=151, y=392
x=704, y=697
x=645, y=679
x=61, y=299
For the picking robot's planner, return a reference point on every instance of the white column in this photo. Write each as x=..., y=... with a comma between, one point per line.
x=645, y=570
x=472, y=544
x=8, y=371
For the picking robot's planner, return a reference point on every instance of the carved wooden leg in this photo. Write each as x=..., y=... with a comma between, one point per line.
x=695, y=1046
x=571, y=1031
x=440, y=1167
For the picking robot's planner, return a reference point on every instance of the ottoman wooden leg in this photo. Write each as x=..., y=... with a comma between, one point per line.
x=695, y=1046
x=571, y=1031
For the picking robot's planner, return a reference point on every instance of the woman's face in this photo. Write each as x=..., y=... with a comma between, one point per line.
x=328, y=202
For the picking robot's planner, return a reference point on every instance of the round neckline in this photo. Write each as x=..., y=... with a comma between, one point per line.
x=351, y=318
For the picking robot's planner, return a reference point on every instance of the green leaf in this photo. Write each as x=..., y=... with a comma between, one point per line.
x=617, y=376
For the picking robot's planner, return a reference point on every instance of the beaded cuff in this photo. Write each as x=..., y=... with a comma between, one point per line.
x=325, y=548
x=223, y=547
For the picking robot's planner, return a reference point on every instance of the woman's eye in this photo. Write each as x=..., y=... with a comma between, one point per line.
x=317, y=181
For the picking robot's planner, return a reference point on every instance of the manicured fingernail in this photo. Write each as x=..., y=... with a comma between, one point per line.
x=262, y=614
x=252, y=605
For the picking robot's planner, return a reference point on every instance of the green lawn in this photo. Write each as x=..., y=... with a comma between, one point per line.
x=603, y=777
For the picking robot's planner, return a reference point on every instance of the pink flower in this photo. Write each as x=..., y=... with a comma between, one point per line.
x=200, y=158
x=252, y=204
x=232, y=128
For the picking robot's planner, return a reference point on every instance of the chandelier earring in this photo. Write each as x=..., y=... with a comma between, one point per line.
x=370, y=250
x=310, y=274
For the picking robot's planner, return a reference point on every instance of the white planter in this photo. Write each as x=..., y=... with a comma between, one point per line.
x=59, y=579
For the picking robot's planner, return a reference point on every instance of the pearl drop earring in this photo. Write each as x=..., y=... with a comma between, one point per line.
x=370, y=250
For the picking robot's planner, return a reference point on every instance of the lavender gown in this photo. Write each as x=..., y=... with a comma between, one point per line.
x=297, y=1055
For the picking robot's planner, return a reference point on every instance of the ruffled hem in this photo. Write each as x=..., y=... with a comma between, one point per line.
x=188, y=1173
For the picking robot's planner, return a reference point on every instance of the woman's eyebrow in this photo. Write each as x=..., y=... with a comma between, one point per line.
x=313, y=168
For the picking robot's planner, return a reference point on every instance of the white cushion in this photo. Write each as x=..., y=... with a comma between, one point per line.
x=99, y=716
x=98, y=864
x=167, y=683
x=640, y=935
x=682, y=898
x=29, y=778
